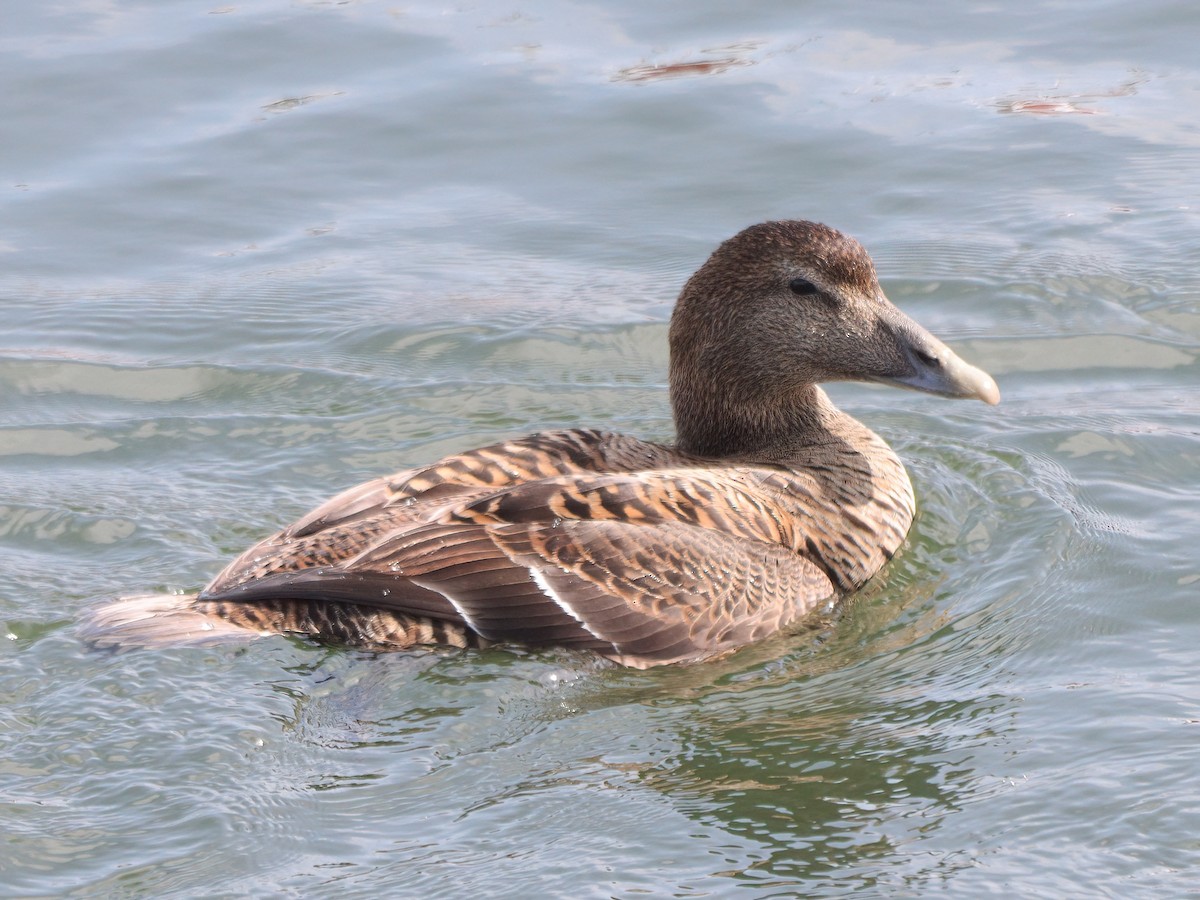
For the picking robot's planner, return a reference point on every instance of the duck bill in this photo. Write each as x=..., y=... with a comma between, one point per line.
x=935, y=368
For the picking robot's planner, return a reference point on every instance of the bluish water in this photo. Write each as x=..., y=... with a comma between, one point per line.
x=255, y=253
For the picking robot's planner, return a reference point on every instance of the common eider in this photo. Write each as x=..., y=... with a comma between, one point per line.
x=770, y=503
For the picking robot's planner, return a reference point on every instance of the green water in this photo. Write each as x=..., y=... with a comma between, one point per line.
x=255, y=253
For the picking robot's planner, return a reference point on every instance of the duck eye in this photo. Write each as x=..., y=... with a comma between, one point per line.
x=802, y=286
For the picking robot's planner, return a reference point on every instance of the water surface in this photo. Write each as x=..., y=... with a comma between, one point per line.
x=254, y=253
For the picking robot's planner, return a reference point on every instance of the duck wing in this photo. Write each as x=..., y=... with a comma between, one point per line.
x=646, y=567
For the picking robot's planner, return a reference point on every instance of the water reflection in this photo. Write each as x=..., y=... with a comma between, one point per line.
x=831, y=788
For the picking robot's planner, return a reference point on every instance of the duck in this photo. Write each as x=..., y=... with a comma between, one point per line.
x=770, y=504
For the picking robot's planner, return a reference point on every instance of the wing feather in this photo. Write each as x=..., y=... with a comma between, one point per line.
x=543, y=542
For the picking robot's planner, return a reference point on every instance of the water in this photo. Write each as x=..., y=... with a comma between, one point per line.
x=254, y=253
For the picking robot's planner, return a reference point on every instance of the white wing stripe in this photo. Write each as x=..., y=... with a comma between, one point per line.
x=540, y=580
x=458, y=607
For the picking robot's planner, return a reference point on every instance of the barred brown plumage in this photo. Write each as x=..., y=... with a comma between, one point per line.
x=771, y=503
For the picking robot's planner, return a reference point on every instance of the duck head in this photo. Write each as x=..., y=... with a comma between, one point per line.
x=777, y=309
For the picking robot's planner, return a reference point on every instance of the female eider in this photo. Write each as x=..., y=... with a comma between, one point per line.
x=770, y=503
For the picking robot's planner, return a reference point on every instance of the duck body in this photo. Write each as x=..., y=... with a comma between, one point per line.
x=771, y=504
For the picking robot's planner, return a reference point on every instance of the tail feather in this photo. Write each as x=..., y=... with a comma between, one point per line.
x=152, y=621
x=159, y=620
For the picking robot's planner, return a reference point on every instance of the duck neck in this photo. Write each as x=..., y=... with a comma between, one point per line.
x=714, y=424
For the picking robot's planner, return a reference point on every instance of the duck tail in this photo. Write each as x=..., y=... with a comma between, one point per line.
x=154, y=621
x=159, y=620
